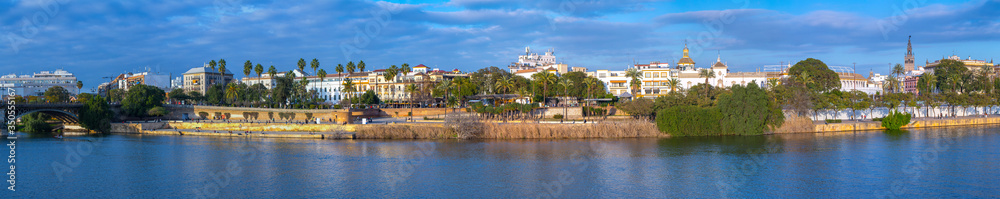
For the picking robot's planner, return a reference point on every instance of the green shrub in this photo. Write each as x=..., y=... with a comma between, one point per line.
x=690, y=121
x=557, y=116
x=895, y=120
x=336, y=106
x=833, y=121
x=877, y=119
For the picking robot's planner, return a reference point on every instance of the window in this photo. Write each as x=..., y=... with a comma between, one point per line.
x=647, y=75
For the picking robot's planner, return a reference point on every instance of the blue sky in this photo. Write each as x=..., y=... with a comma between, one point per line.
x=95, y=39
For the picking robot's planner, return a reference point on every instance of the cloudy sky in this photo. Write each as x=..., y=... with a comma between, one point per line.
x=94, y=39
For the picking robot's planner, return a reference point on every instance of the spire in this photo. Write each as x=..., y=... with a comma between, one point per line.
x=909, y=46
x=686, y=49
x=720, y=57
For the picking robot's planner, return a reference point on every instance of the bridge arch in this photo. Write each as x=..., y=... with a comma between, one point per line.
x=61, y=115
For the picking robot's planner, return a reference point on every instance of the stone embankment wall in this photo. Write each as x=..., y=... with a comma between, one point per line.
x=867, y=126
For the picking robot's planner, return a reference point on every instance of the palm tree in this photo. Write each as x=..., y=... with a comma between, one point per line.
x=79, y=85
x=635, y=75
x=505, y=84
x=546, y=78
x=565, y=83
x=348, y=88
x=390, y=75
x=212, y=64
x=897, y=71
x=231, y=93
x=222, y=70
x=259, y=69
x=247, y=67
x=302, y=64
x=411, y=89
x=350, y=68
x=706, y=74
x=272, y=71
x=406, y=68
x=591, y=82
x=361, y=65
x=321, y=74
x=772, y=83
x=314, y=65
x=445, y=86
x=673, y=83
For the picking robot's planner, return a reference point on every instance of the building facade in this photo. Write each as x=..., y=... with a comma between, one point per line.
x=201, y=78
x=36, y=84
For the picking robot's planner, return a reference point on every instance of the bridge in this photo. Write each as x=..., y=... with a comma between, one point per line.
x=68, y=113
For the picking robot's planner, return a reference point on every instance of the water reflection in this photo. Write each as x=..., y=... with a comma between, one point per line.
x=944, y=162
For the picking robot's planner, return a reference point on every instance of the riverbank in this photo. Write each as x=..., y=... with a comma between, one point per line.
x=914, y=124
x=489, y=130
x=478, y=130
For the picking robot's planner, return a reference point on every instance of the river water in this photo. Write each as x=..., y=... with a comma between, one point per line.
x=925, y=163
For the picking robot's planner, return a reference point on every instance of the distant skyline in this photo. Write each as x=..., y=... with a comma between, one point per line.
x=99, y=39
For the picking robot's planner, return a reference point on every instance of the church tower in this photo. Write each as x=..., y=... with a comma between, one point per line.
x=685, y=63
x=909, y=55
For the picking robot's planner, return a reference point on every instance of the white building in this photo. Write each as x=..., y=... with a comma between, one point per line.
x=531, y=61
x=36, y=84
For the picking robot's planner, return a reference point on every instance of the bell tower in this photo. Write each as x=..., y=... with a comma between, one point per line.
x=909, y=55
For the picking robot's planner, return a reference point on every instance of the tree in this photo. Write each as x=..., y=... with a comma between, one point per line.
x=302, y=64
x=177, y=94
x=96, y=115
x=749, y=111
x=637, y=108
x=706, y=74
x=222, y=70
x=565, y=83
x=674, y=83
x=822, y=78
x=505, y=84
x=370, y=98
x=79, y=85
x=361, y=66
x=36, y=123
x=590, y=82
x=897, y=71
x=321, y=74
x=141, y=98
x=314, y=65
x=949, y=75
x=272, y=71
x=196, y=96
x=247, y=68
x=216, y=94
x=158, y=111
x=545, y=78
x=350, y=68
x=927, y=83
x=349, y=88
x=635, y=76
x=56, y=94
x=259, y=69
x=212, y=64
x=83, y=97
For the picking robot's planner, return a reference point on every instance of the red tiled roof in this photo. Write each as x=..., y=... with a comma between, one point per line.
x=420, y=66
